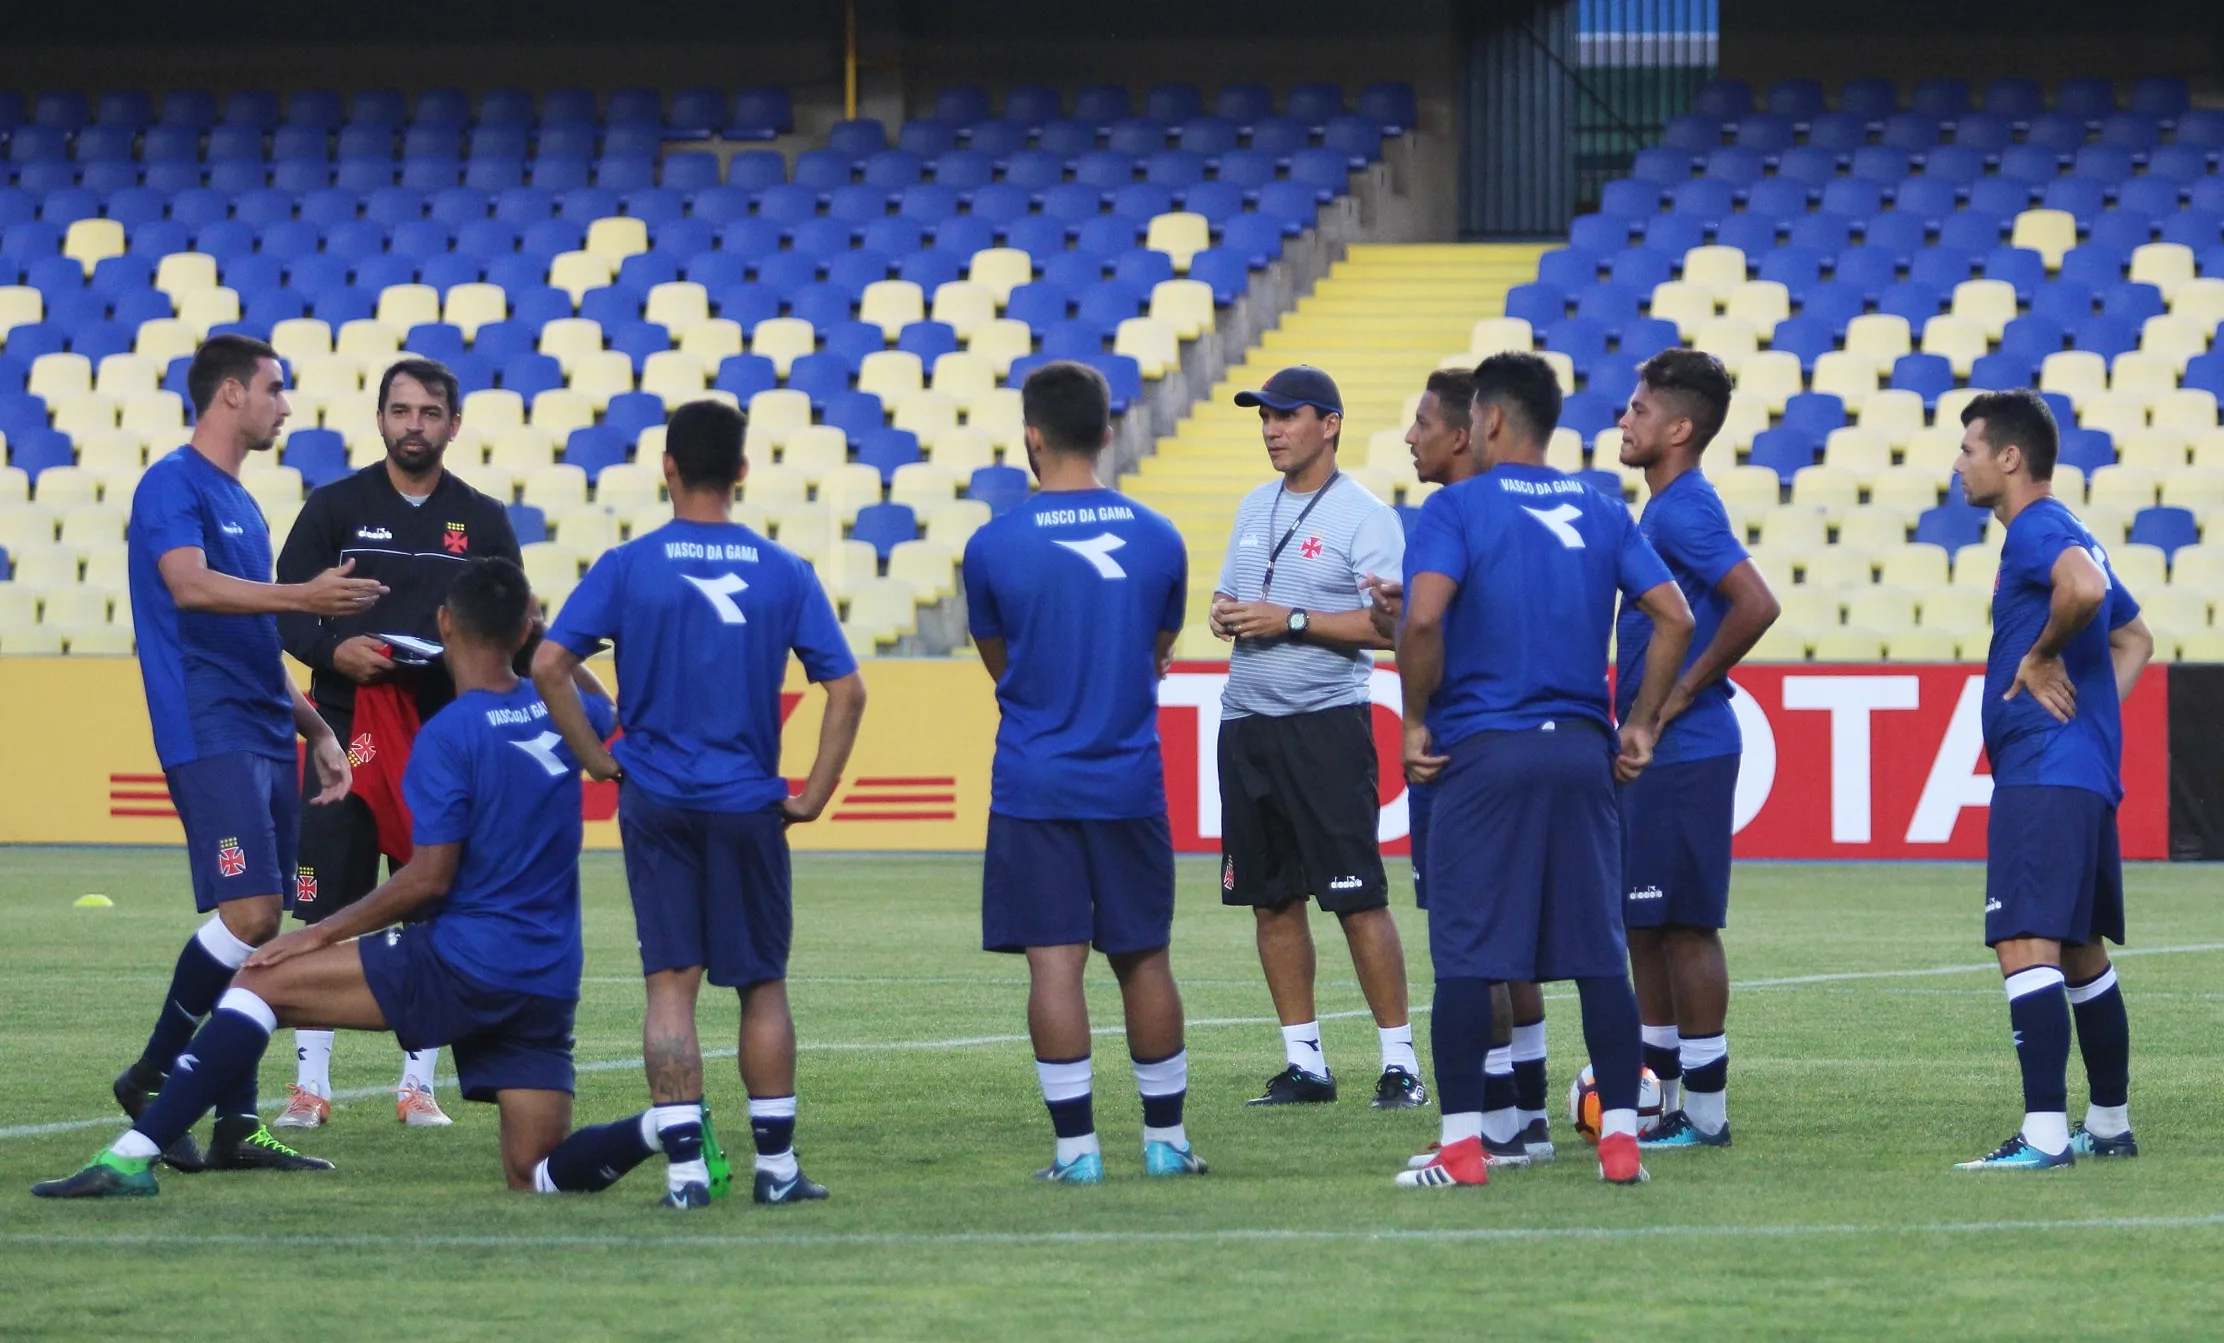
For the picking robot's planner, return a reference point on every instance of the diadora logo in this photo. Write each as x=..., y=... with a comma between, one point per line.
x=1992, y=906
x=231, y=529
x=1346, y=884
x=231, y=860
x=393, y=937
x=1647, y=893
x=373, y=534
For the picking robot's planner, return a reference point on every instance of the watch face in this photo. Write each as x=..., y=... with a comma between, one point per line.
x=1297, y=622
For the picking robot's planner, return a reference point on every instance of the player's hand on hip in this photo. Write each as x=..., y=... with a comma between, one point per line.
x=333, y=593
x=2046, y=680
x=332, y=767
x=362, y=659
x=1636, y=751
x=604, y=767
x=1422, y=763
x=285, y=947
x=799, y=811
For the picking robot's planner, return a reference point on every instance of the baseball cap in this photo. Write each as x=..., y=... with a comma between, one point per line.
x=1301, y=385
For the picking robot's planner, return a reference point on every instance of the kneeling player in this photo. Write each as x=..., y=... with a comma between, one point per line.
x=1074, y=600
x=493, y=973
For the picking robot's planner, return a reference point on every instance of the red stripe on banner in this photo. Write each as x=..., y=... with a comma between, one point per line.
x=119, y=795
x=907, y=783
x=896, y=816
x=164, y=813
x=862, y=799
x=138, y=778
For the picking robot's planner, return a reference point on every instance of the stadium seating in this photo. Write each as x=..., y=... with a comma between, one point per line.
x=583, y=270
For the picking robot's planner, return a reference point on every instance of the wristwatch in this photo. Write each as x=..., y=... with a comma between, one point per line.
x=1299, y=622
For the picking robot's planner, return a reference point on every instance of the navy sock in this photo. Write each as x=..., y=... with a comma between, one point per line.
x=195, y=985
x=1610, y=1032
x=2103, y=1037
x=2040, y=1013
x=772, y=1134
x=596, y=1157
x=1665, y=1063
x=1074, y=1118
x=1498, y=1091
x=210, y=1067
x=682, y=1142
x=1459, y=1037
x=240, y=1099
x=1529, y=1074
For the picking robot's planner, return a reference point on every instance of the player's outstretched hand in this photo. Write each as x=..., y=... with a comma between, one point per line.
x=333, y=593
x=285, y=947
x=2048, y=682
x=1385, y=604
x=332, y=767
x=1636, y=752
x=799, y=811
x=362, y=659
x=1422, y=763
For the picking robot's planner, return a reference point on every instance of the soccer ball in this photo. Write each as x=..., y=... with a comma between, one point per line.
x=1583, y=1102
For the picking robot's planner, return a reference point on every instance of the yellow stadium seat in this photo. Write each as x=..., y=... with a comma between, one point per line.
x=616, y=237
x=2050, y=233
x=402, y=306
x=954, y=523
x=58, y=375
x=1563, y=451
x=965, y=377
x=495, y=482
x=2108, y=523
x=649, y=445
x=2124, y=487
x=569, y=339
x=1848, y=643
x=20, y=305
x=848, y=488
x=1881, y=608
x=1908, y=489
x=2168, y=266
x=999, y=270
x=2146, y=375
x=183, y=272
x=371, y=343
x=1830, y=490
x=808, y=529
x=100, y=641
x=1914, y=568
x=43, y=568
x=113, y=453
x=110, y=568
x=471, y=306
x=783, y=340
x=649, y=517
x=1991, y=304
x=772, y=487
x=1961, y=340
x=1748, y=491
x=1863, y=453
x=165, y=339
x=928, y=415
x=1715, y=271
x=1793, y=527
x=1729, y=339
x=713, y=341
x=1000, y=342
x=890, y=375
x=1960, y=610
x=1774, y=376
x=2200, y=302
x=817, y=450
x=124, y=376
x=1001, y=415
x=888, y=607
x=1893, y=414
x=2162, y=450
x=276, y=486
x=1686, y=304
x=677, y=305
x=31, y=641
x=550, y=565
x=160, y=418
x=65, y=487
x=1839, y=568
x=964, y=305
x=577, y=272
x=675, y=375
x=892, y=305
x=555, y=489
x=923, y=485
x=2077, y=374
x=494, y=410
x=2199, y=488
x=963, y=451
x=628, y=486
x=586, y=531
x=1781, y=643
x=2120, y=413
x=1764, y=303
x=1151, y=343
x=1882, y=336
x=2200, y=567
x=1563, y=367
x=2188, y=409
x=1921, y=645
x=1809, y=608
x=2142, y=568
x=202, y=309
x=2176, y=609
x=15, y=485
x=2199, y=646
x=23, y=525
x=927, y=566
x=602, y=375
x=1180, y=236
x=1501, y=335
x=1748, y=416
x=778, y=412
x=2174, y=339
x=1184, y=305
x=2208, y=448
x=1849, y=375
x=1878, y=531
x=92, y=241
x=559, y=410
x=2069, y=485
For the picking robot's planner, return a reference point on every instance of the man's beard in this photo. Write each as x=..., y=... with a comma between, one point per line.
x=415, y=457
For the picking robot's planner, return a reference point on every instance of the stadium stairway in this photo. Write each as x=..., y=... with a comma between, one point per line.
x=1379, y=323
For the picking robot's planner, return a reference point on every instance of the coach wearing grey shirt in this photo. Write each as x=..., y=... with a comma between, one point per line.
x=1297, y=751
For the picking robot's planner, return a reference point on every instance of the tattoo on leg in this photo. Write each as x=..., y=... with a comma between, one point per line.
x=675, y=1067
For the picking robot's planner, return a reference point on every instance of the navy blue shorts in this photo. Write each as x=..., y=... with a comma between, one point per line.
x=242, y=816
x=500, y=1038
x=710, y=889
x=1054, y=883
x=1525, y=858
x=1676, y=822
x=1420, y=800
x=2053, y=869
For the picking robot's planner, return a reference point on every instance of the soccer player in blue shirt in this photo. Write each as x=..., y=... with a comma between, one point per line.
x=225, y=713
x=704, y=613
x=1510, y=585
x=2067, y=647
x=491, y=967
x=1074, y=599
x=1678, y=816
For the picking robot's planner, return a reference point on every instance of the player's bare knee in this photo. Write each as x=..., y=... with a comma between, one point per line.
x=252, y=921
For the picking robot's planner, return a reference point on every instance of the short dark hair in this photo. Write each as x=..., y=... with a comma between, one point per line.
x=1526, y=385
x=704, y=442
x=2021, y=417
x=1454, y=388
x=491, y=599
x=434, y=375
x=222, y=359
x=1069, y=404
x=1697, y=380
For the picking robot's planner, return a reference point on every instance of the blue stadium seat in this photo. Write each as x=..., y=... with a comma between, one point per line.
x=1314, y=103
x=1943, y=99
x=2086, y=449
x=1002, y=488
x=885, y=526
x=1722, y=99
x=2019, y=266
x=1078, y=270
x=320, y=455
x=1665, y=166
x=1895, y=233
x=1136, y=137
x=1807, y=337
x=1226, y=271
x=1868, y=99
x=594, y=448
x=2168, y=528
x=1244, y=103
x=1951, y=526
x=1784, y=451
x=1912, y=299
x=2065, y=302
x=1691, y=134
x=1941, y=268
x=1581, y=339
x=1257, y=238
x=928, y=139
x=1927, y=375
x=1391, y=104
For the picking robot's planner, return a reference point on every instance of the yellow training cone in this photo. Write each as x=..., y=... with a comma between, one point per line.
x=95, y=902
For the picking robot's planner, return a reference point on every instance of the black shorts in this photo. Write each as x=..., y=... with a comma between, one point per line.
x=1299, y=810
x=338, y=860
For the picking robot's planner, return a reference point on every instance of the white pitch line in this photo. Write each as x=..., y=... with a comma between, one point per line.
x=1058, y=1238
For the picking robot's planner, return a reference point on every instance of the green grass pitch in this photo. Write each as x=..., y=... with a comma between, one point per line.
x=1869, y=1052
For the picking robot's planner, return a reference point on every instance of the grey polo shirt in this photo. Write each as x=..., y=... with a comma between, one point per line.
x=1347, y=536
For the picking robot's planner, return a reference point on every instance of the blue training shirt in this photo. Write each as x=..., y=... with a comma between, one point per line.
x=1079, y=585
x=1691, y=532
x=2023, y=741
x=704, y=615
x=491, y=772
x=215, y=683
x=1538, y=556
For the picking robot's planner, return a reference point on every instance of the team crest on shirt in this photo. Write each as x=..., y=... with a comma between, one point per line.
x=231, y=860
x=362, y=751
x=1311, y=549
x=305, y=886
x=456, y=539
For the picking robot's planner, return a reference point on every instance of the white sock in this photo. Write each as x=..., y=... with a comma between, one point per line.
x=135, y=1145
x=542, y=1184
x=1500, y=1125
x=2047, y=1130
x=217, y=940
x=1528, y=1047
x=312, y=1054
x=1163, y=1077
x=649, y=1134
x=679, y=1173
x=1067, y=1081
x=417, y=1068
x=1460, y=1127
x=1618, y=1121
x=1397, y=1049
x=1708, y=1111
x=779, y=1165
x=1071, y=1150
x=1302, y=1045
x=2108, y=1121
